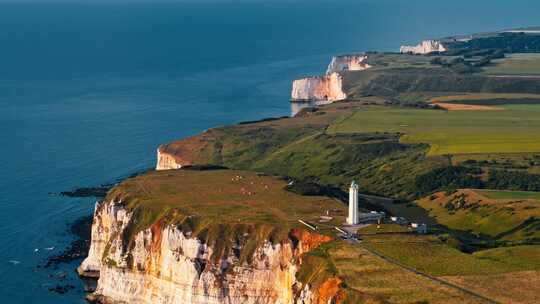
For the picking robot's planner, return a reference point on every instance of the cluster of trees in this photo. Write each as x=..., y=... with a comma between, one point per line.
x=462, y=66
x=513, y=180
x=507, y=42
x=315, y=189
x=471, y=53
x=455, y=177
x=469, y=58
x=447, y=178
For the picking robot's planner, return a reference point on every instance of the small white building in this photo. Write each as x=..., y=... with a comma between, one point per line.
x=419, y=228
x=372, y=216
x=352, y=219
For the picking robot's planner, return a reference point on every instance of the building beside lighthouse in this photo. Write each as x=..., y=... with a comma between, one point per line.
x=352, y=219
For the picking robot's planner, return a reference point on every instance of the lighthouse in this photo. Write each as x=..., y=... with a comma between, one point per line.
x=353, y=204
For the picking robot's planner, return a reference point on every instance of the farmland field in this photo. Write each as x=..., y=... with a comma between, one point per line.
x=429, y=255
x=487, y=99
x=512, y=130
x=500, y=194
x=510, y=287
x=381, y=282
x=515, y=64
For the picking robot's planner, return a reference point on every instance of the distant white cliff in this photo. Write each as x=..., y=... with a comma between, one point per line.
x=348, y=63
x=425, y=47
x=318, y=88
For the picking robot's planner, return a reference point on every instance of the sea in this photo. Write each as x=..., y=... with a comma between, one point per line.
x=90, y=89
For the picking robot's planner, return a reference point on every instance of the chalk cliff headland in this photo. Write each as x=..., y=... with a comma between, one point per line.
x=180, y=256
x=424, y=47
x=195, y=232
x=328, y=87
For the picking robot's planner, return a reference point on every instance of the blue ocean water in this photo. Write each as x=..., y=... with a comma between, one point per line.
x=89, y=90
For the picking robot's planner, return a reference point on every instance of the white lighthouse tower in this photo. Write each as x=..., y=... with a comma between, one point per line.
x=353, y=204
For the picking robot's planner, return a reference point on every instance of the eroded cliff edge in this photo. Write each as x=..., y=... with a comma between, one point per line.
x=317, y=88
x=328, y=87
x=424, y=47
x=353, y=62
x=202, y=244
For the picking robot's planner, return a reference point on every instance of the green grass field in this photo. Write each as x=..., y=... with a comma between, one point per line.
x=221, y=207
x=515, y=64
x=510, y=195
x=513, y=130
x=518, y=257
x=228, y=195
x=429, y=255
x=370, y=279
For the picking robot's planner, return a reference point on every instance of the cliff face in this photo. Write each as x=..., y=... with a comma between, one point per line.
x=328, y=87
x=163, y=264
x=347, y=63
x=425, y=47
x=166, y=162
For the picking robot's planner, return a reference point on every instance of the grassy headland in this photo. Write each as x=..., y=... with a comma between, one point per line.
x=392, y=138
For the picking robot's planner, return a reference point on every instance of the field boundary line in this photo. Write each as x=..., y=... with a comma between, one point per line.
x=429, y=277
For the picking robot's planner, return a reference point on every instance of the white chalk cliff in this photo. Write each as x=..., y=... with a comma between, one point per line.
x=347, y=63
x=163, y=264
x=327, y=87
x=166, y=162
x=425, y=47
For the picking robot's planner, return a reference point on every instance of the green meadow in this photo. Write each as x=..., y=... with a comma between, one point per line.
x=430, y=255
x=510, y=195
x=515, y=64
x=515, y=129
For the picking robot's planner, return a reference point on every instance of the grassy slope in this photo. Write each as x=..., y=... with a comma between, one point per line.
x=226, y=195
x=220, y=207
x=454, y=132
x=301, y=147
x=377, y=161
x=430, y=255
x=370, y=279
x=511, y=195
x=509, y=219
x=515, y=64
x=392, y=82
x=510, y=287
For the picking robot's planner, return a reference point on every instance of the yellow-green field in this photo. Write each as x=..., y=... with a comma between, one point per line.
x=510, y=195
x=511, y=287
x=378, y=281
x=515, y=64
x=484, y=96
x=430, y=255
x=515, y=129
